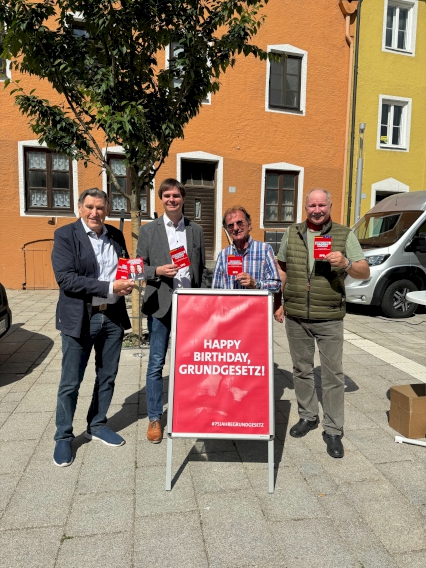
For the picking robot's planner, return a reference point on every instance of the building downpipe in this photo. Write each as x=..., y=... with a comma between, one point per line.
x=348, y=9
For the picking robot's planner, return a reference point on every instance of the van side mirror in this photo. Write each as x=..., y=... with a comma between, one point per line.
x=417, y=244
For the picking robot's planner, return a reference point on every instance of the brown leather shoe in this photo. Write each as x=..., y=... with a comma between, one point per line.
x=154, y=434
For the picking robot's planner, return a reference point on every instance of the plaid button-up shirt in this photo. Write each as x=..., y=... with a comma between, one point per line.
x=258, y=261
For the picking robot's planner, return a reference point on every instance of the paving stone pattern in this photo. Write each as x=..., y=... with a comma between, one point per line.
x=110, y=508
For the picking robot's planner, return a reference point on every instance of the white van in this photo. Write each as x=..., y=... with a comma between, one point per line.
x=393, y=237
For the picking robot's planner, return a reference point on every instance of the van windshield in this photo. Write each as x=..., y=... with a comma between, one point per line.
x=384, y=229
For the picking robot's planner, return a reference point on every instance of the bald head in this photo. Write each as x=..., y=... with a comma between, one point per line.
x=326, y=193
x=318, y=206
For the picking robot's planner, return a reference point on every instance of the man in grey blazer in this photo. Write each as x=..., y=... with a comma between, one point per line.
x=156, y=239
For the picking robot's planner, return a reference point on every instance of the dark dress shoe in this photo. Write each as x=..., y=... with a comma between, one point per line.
x=334, y=445
x=303, y=427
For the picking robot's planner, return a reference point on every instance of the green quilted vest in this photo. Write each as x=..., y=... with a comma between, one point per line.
x=321, y=294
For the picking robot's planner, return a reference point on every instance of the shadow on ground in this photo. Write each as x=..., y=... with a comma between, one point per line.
x=217, y=450
x=21, y=351
x=225, y=449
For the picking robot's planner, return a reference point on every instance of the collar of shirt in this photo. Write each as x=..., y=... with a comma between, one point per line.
x=246, y=250
x=107, y=261
x=169, y=223
x=176, y=237
x=92, y=233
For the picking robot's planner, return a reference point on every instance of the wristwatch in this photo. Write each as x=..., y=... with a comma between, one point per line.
x=349, y=265
x=257, y=286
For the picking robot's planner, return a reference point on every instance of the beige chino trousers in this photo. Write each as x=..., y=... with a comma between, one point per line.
x=328, y=335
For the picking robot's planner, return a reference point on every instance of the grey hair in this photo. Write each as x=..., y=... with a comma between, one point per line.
x=325, y=192
x=93, y=192
x=234, y=209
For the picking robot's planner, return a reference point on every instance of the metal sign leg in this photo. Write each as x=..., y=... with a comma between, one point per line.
x=169, y=464
x=402, y=439
x=271, y=465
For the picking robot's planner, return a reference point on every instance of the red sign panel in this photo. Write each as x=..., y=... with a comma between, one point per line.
x=221, y=367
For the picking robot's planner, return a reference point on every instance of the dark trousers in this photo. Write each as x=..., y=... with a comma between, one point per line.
x=106, y=337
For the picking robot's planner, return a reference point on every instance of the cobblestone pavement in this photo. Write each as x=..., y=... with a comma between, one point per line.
x=110, y=508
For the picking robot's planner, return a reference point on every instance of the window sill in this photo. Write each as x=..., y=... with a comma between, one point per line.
x=393, y=148
x=285, y=111
x=277, y=226
x=126, y=216
x=396, y=51
x=49, y=213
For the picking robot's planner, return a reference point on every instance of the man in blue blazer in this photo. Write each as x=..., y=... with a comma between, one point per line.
x=156, y=239
x=91, y=312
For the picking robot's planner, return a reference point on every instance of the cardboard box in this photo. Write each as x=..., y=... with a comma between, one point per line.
x=408, y=410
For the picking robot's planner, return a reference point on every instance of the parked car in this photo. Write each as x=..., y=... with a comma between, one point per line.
x=393, y=237
x=5, y=313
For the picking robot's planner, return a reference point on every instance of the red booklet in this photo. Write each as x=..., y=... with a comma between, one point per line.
x=130, y=269
x=179, y=257
x=235, y=264
x=322, y=246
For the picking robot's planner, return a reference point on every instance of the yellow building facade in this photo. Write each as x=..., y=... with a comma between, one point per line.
x=389, y=98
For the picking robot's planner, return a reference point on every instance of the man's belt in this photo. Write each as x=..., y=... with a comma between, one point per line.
x=100, y=308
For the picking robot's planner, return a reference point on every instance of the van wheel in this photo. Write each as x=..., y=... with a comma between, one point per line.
x=395, y=303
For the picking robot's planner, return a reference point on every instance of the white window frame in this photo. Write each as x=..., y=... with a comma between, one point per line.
x=78, y=17
x=21, y=184
x=7, y=71
x=118, y=150
x=208, y=99
x=206, y=157
x=287, y=49
x=391, y=185
x=412, y=7
x=406, y=103
x=283, y=166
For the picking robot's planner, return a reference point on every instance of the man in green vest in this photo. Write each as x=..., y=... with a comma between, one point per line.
x=314, y=257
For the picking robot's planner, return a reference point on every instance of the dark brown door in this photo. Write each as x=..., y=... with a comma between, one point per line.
x=199, y=181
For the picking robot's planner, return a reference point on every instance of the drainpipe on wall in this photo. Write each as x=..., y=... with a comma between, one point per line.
x=347, y=8
x=354, y=100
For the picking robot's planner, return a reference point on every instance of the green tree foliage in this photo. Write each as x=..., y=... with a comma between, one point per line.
x=111, y=76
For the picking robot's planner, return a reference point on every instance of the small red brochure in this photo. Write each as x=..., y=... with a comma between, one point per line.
x=235, y=264
x=179, y=257
x=130, y=269
x=136, y=269
x=322, y=246
x=122, y=269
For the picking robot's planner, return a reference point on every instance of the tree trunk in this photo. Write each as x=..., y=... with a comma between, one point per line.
x=135, y=224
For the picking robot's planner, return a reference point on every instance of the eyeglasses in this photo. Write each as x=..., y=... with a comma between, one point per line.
x=239, y=224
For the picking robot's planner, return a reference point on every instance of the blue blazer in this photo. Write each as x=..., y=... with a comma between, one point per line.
x=76, y=271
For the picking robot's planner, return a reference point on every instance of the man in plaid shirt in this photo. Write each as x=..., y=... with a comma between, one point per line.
x=259, y=268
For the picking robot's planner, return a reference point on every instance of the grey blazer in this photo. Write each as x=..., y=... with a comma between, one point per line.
x=153, y=247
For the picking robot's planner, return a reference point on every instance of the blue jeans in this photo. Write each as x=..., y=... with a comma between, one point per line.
x=159, y=332
x=107, y=338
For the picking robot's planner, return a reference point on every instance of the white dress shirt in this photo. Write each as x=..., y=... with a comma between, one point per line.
x=177, y=238
x=107, y=261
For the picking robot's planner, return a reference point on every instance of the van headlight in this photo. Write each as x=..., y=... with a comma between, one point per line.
x=376, y=259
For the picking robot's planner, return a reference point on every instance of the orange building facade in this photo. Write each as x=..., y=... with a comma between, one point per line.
x=273, y=132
